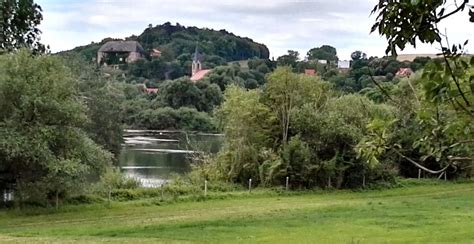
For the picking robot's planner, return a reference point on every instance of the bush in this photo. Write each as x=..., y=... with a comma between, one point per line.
x=175, y=119
x=84, y=199
x=124, y=194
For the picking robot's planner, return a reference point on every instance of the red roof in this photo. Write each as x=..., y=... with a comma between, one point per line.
x=404, y=72
x=151, y=90
x=200, y=74
x=155, y=52
x=309, y=71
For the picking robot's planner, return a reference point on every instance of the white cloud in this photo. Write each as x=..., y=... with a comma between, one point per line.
x=280, y=24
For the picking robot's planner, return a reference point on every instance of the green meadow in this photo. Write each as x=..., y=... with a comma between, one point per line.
x=425, y=213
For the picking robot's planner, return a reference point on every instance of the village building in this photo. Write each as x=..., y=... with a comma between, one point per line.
x=343, y=64
x=120, y=52
x=155, y=53
x=197, y=72
x=404, y=72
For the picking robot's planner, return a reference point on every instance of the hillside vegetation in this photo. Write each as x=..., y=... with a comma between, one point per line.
x=177, y=42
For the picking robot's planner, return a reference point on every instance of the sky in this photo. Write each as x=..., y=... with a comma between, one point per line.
x=280, y=24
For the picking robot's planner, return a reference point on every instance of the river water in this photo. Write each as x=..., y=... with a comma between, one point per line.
x=153, y=157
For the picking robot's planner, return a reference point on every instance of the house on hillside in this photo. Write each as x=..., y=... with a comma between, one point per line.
x=155, y=52
x=120, y=52
x=404, y=72
x=197, y=72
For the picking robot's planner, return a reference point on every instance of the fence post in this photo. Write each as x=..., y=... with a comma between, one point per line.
x=287, y=186
x=205, y=188
x=250, y=185
x=445, y=176
x=162, y=193
x=419, y=173
x=329, y=182
x=363, y=181
x=110, y=195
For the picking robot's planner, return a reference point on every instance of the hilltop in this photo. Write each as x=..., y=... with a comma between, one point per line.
x=177, y=42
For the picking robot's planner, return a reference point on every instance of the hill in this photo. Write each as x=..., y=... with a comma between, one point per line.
x=179, y=42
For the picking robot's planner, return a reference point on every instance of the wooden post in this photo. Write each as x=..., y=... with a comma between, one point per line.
x=162, y=193
x=329, y=182
x=419, y=173
x=205, y=188
x=445, y=176
x=110, y=194
x=250, y=185
x=287, y=186
x=363, y=181
x=57, y=199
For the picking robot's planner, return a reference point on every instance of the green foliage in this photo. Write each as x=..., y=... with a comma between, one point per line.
x=185, y=93
x=296, y=127
x=406, y=21
x=234, y=74
x=290, y=59
x=287, y=91
x=103, y=101
x=43, y=148
x=177, y=43
x=325, y=52
x=174, y=119
x=18, y=26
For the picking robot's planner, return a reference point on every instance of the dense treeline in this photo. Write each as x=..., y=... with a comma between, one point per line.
x=303, y=128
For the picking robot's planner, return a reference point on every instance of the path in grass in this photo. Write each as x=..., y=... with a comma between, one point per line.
x=438, y=213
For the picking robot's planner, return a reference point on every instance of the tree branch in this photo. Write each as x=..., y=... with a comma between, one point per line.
x=421, y=166
x=379, y=86
x=459, y=8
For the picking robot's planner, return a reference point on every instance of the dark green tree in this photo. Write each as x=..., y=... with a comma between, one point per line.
x=44, y=150
x=18, y=25
x=324, y=52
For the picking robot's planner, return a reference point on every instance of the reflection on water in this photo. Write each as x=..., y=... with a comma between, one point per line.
x=153, y=156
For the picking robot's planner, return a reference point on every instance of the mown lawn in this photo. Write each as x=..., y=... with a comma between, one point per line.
x=423, y=214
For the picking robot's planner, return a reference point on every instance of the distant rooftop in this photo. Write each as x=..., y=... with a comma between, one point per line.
x=200, y=74
x=122, y=46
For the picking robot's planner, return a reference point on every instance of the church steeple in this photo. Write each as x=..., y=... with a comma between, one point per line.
x=196, y=66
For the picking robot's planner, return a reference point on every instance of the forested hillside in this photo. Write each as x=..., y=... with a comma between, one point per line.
x=179, y=42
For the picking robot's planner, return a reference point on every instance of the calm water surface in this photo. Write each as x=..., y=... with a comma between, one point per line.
x=153, y=156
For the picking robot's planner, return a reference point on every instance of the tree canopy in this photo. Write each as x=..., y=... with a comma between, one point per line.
x=19, y=20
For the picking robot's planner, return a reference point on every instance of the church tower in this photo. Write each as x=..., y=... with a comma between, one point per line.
x=197, y=65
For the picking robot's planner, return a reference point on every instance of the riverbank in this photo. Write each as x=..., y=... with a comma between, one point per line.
x=430, y=212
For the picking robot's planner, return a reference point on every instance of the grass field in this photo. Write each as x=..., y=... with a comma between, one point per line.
x=427, y=213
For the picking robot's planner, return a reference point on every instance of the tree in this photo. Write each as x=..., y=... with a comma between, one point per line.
x=447, y=87
x=289, y=59
x=324, y=52
x=18, y=25
x=286, y=91
x=183, y=92
x=247, y=124
x=103, y=100
x=422, y=16
x=357, y=55
x=43, y=148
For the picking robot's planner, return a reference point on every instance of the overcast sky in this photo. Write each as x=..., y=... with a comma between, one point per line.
x=280, y=24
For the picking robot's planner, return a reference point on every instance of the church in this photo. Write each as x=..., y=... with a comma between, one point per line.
x=197, y=72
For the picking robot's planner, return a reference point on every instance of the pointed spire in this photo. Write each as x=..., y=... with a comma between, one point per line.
x=196, y=53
